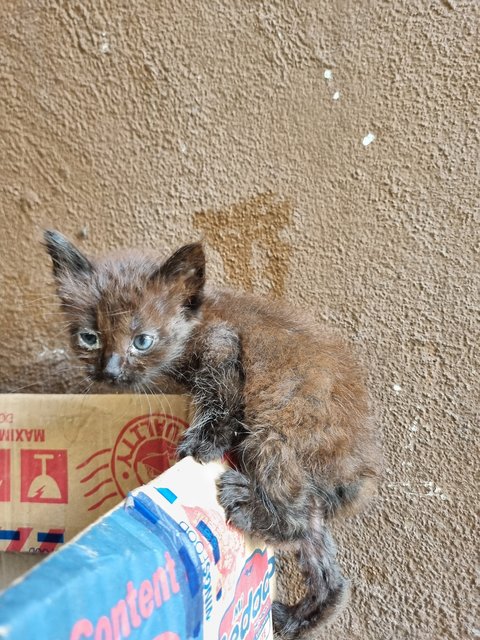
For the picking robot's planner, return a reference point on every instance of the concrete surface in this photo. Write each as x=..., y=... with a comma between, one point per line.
x=153, y=123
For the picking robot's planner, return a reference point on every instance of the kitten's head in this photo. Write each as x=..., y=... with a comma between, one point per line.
x=129, y=315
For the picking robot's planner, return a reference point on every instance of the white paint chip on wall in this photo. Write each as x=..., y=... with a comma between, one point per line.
x=328, y=74
x=336, y=95
x=368, y=139
x=397, y=388
x=104, y=44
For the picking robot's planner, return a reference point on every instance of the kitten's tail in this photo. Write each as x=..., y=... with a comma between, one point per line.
x=326, y=589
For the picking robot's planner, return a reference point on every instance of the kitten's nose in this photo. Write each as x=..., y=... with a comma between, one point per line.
x=113, y=368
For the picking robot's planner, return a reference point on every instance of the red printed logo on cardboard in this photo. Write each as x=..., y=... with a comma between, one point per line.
x=144, y=449
x=44, y=476
x=4, y=475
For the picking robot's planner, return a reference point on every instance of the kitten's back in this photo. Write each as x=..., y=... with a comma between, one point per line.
x=302, y=382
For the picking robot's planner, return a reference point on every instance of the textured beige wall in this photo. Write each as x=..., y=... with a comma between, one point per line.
x=129, y=123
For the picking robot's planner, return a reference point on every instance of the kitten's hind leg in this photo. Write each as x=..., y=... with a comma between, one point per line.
x=289, y=515
x=326, y=589
x=274, y=500
x=217, y=388
x=270, y=498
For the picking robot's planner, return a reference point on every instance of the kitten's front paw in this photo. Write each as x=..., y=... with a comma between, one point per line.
x=196, y=444
x=235, y=495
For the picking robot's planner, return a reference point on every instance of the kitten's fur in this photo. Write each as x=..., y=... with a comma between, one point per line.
x=283, y=396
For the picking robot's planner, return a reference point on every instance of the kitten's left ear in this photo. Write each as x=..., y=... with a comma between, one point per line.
x=185, y=269
x=66, y=258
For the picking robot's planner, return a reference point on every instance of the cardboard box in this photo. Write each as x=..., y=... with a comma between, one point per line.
x=67, y=459
x=237, y=571
x=165, y=567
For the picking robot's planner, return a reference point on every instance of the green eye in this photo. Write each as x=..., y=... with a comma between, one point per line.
x=88, y=339
x=142, y=342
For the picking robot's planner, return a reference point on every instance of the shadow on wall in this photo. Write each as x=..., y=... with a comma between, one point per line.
x=248, y=236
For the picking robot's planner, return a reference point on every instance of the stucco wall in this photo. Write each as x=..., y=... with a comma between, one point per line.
x=129, y=123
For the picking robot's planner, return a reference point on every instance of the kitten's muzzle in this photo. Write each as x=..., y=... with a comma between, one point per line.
x=113, y=368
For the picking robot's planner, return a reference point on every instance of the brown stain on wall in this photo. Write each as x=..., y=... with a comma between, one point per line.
x=236, y=230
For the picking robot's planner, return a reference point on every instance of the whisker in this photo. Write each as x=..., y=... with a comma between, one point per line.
x=26, y=386
x=118, y=313
x=148, y=400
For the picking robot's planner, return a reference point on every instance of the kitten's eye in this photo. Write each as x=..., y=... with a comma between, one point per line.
x=142, y=342
x=88, y=339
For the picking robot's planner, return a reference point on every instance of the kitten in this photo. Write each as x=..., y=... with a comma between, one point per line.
x=284, y=398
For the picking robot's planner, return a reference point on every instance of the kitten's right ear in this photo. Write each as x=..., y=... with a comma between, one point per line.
x=66, y=258
x=184, y=272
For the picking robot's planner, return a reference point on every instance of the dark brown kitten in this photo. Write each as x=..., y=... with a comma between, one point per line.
x=284, y=397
